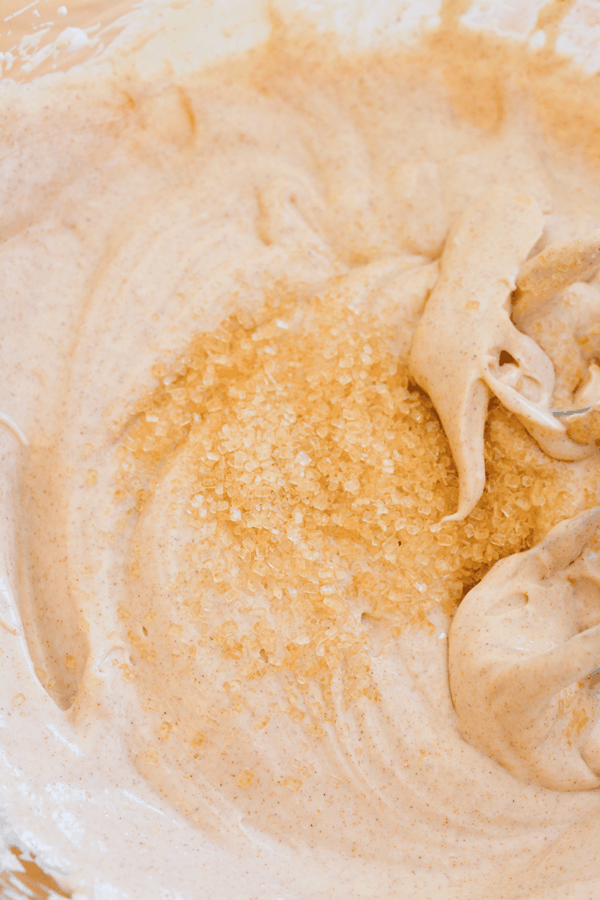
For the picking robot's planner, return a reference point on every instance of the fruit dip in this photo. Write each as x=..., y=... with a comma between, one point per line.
x=299, y=358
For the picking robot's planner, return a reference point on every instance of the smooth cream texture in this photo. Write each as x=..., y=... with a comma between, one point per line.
x=520, y=650
x=466, y=326
x=131, y=221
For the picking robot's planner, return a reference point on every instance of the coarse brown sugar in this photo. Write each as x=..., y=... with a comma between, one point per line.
x=324, y=503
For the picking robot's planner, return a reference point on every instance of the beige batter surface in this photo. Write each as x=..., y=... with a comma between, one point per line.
x=226, y=588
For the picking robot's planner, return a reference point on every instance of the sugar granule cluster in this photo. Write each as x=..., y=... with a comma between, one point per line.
x=317, y=478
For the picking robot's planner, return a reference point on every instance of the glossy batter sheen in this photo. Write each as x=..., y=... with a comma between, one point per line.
x=227, y=586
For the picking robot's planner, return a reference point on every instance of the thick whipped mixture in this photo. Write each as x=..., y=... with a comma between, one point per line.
x=226, y=585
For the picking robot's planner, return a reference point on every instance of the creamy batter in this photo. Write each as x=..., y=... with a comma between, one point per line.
x=231, y=554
